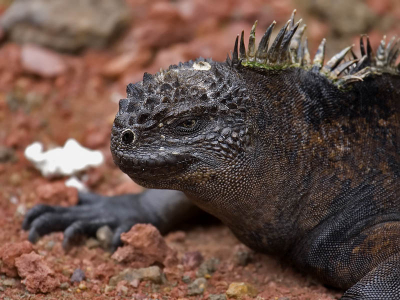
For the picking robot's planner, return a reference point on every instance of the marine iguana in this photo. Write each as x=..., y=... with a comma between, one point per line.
x=300, y=159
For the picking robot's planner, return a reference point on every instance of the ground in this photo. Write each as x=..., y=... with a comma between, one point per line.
x=49, y=97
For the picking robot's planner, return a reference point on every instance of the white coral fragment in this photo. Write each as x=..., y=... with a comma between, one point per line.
x=73, y=181
x=63, y=161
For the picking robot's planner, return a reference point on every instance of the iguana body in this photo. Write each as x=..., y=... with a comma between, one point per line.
x=299, y=160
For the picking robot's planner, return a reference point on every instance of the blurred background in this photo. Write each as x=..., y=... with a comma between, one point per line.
x=65, y=64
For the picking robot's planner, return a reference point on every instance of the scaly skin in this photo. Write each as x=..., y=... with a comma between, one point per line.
x=296, y=168
x=294, y=164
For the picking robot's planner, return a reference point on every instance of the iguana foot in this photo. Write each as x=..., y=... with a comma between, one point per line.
x=93, y=211
x=162, y=208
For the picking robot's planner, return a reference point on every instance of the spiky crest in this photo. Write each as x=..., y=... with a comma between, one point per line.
x=169, y=92
x=288, y=50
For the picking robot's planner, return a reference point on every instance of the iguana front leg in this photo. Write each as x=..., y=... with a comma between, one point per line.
x=162, y=208
x=383, y=282
x=379, y=249
x=361, y=256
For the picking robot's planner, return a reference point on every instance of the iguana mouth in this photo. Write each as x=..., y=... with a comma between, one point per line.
x=154, y=165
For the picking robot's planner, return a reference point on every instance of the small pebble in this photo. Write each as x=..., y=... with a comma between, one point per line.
x=9, y=282
x=152, y=273
x=217, y=297
x=21, y=210
x=186, y=279
x=67, y=272
x=92, y=243
x=49, y=245
x=177, y=236
x=238, y=290
x=104, y=235
x=109, y=288
x=78, y=275
x=64, y=285
x=242, y=256
x=208, y=267
x=6, y=154
x=41, y=61
x=192, y=260
x=135, y=283
x=139, y=297
x=123, y=289
x=197, y=287
x=13, y=199
x=82, y=286
x=15, y=179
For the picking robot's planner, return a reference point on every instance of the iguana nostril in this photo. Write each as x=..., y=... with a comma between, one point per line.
x=128, y=136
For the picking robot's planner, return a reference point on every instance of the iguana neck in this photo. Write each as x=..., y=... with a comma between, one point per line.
x=271, y=170
x=301, y=154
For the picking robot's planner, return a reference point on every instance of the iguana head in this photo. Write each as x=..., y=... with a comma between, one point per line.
x=183, y=126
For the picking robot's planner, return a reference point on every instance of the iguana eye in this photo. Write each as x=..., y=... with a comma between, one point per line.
x=189, y=123
x=187, y=126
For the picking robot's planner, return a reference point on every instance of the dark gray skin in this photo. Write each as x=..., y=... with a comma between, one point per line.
x=294, y=165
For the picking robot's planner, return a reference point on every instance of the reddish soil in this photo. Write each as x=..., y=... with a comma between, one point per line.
x=78, y=99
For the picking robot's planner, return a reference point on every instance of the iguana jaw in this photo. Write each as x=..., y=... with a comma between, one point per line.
x=141, y=166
